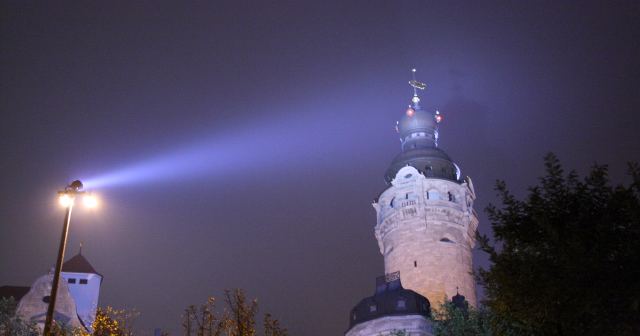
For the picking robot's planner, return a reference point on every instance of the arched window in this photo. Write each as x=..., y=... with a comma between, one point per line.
x=452, y=197
x=433, y=195
x=428, y=171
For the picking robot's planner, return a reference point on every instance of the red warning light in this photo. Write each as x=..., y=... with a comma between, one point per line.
x=439, y=118
x=410, y=112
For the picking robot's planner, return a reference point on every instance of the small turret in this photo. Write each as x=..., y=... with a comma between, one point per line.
x=84, y=285
x=460, y=302
x=392, y=307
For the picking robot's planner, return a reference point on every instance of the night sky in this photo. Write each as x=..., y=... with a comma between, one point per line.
x=240, y=144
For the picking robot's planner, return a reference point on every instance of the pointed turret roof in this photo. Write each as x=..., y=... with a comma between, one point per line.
x=78, y=264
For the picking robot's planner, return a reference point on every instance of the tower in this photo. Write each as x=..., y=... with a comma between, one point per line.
x=426, y=224
x=84, y=285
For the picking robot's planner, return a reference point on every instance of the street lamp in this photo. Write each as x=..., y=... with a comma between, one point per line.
x=66, y=198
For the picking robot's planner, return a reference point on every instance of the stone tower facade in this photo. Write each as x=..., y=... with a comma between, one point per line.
x=426, y=224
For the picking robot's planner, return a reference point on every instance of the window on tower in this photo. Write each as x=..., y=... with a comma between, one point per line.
x=409, y=199
x=83, y=281
x=71, y=281
x=428, y=171
x=433, y=195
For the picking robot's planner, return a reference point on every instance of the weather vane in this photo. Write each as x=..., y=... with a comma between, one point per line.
x=416, y=84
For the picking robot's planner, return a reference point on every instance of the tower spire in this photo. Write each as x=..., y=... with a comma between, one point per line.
x=419, y=139
x=413, y=79
x=416, y=86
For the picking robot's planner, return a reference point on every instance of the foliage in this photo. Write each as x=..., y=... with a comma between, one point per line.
x=565, y=261
x=203, y=321
x=65, y=330
x=272, y=327
x=114, y=322
x=238, y=318
x=242, y=313
x=451, y=320
x=12, y=325
x=108, y=322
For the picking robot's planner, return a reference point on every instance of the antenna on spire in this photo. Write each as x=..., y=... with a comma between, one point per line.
x=413, y=79
x=80, y=252
x=416, y=86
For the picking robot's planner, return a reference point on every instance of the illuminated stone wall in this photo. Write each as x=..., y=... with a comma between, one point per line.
x=414, y=325
x=426, y=230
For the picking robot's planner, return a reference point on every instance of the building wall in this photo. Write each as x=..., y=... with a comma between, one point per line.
x=414, y=325
x=33, y=306
x=85, y=295
x=426, y=230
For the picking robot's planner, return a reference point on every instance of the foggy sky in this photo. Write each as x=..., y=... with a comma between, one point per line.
x=287, y=110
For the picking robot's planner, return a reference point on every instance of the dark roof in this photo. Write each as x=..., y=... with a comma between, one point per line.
x=419, y=138
x=417, y=120
x=460, y=302
x=387, y=302
x=17, y=292
x=432, y=162
x=78, y=264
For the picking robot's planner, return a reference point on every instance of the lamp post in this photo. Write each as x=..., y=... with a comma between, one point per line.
x=67, y=198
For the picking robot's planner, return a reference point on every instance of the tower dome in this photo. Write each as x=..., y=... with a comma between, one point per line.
x=417, y=120
x=418, y=131
x=432, y=162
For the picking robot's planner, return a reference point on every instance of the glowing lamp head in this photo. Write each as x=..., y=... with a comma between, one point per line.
x=90, y=201
x=66, y=200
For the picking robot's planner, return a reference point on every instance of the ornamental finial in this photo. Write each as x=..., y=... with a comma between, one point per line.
x=416, y=86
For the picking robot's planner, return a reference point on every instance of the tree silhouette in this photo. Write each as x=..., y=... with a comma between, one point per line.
x=566, y=259
x=238, y=318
